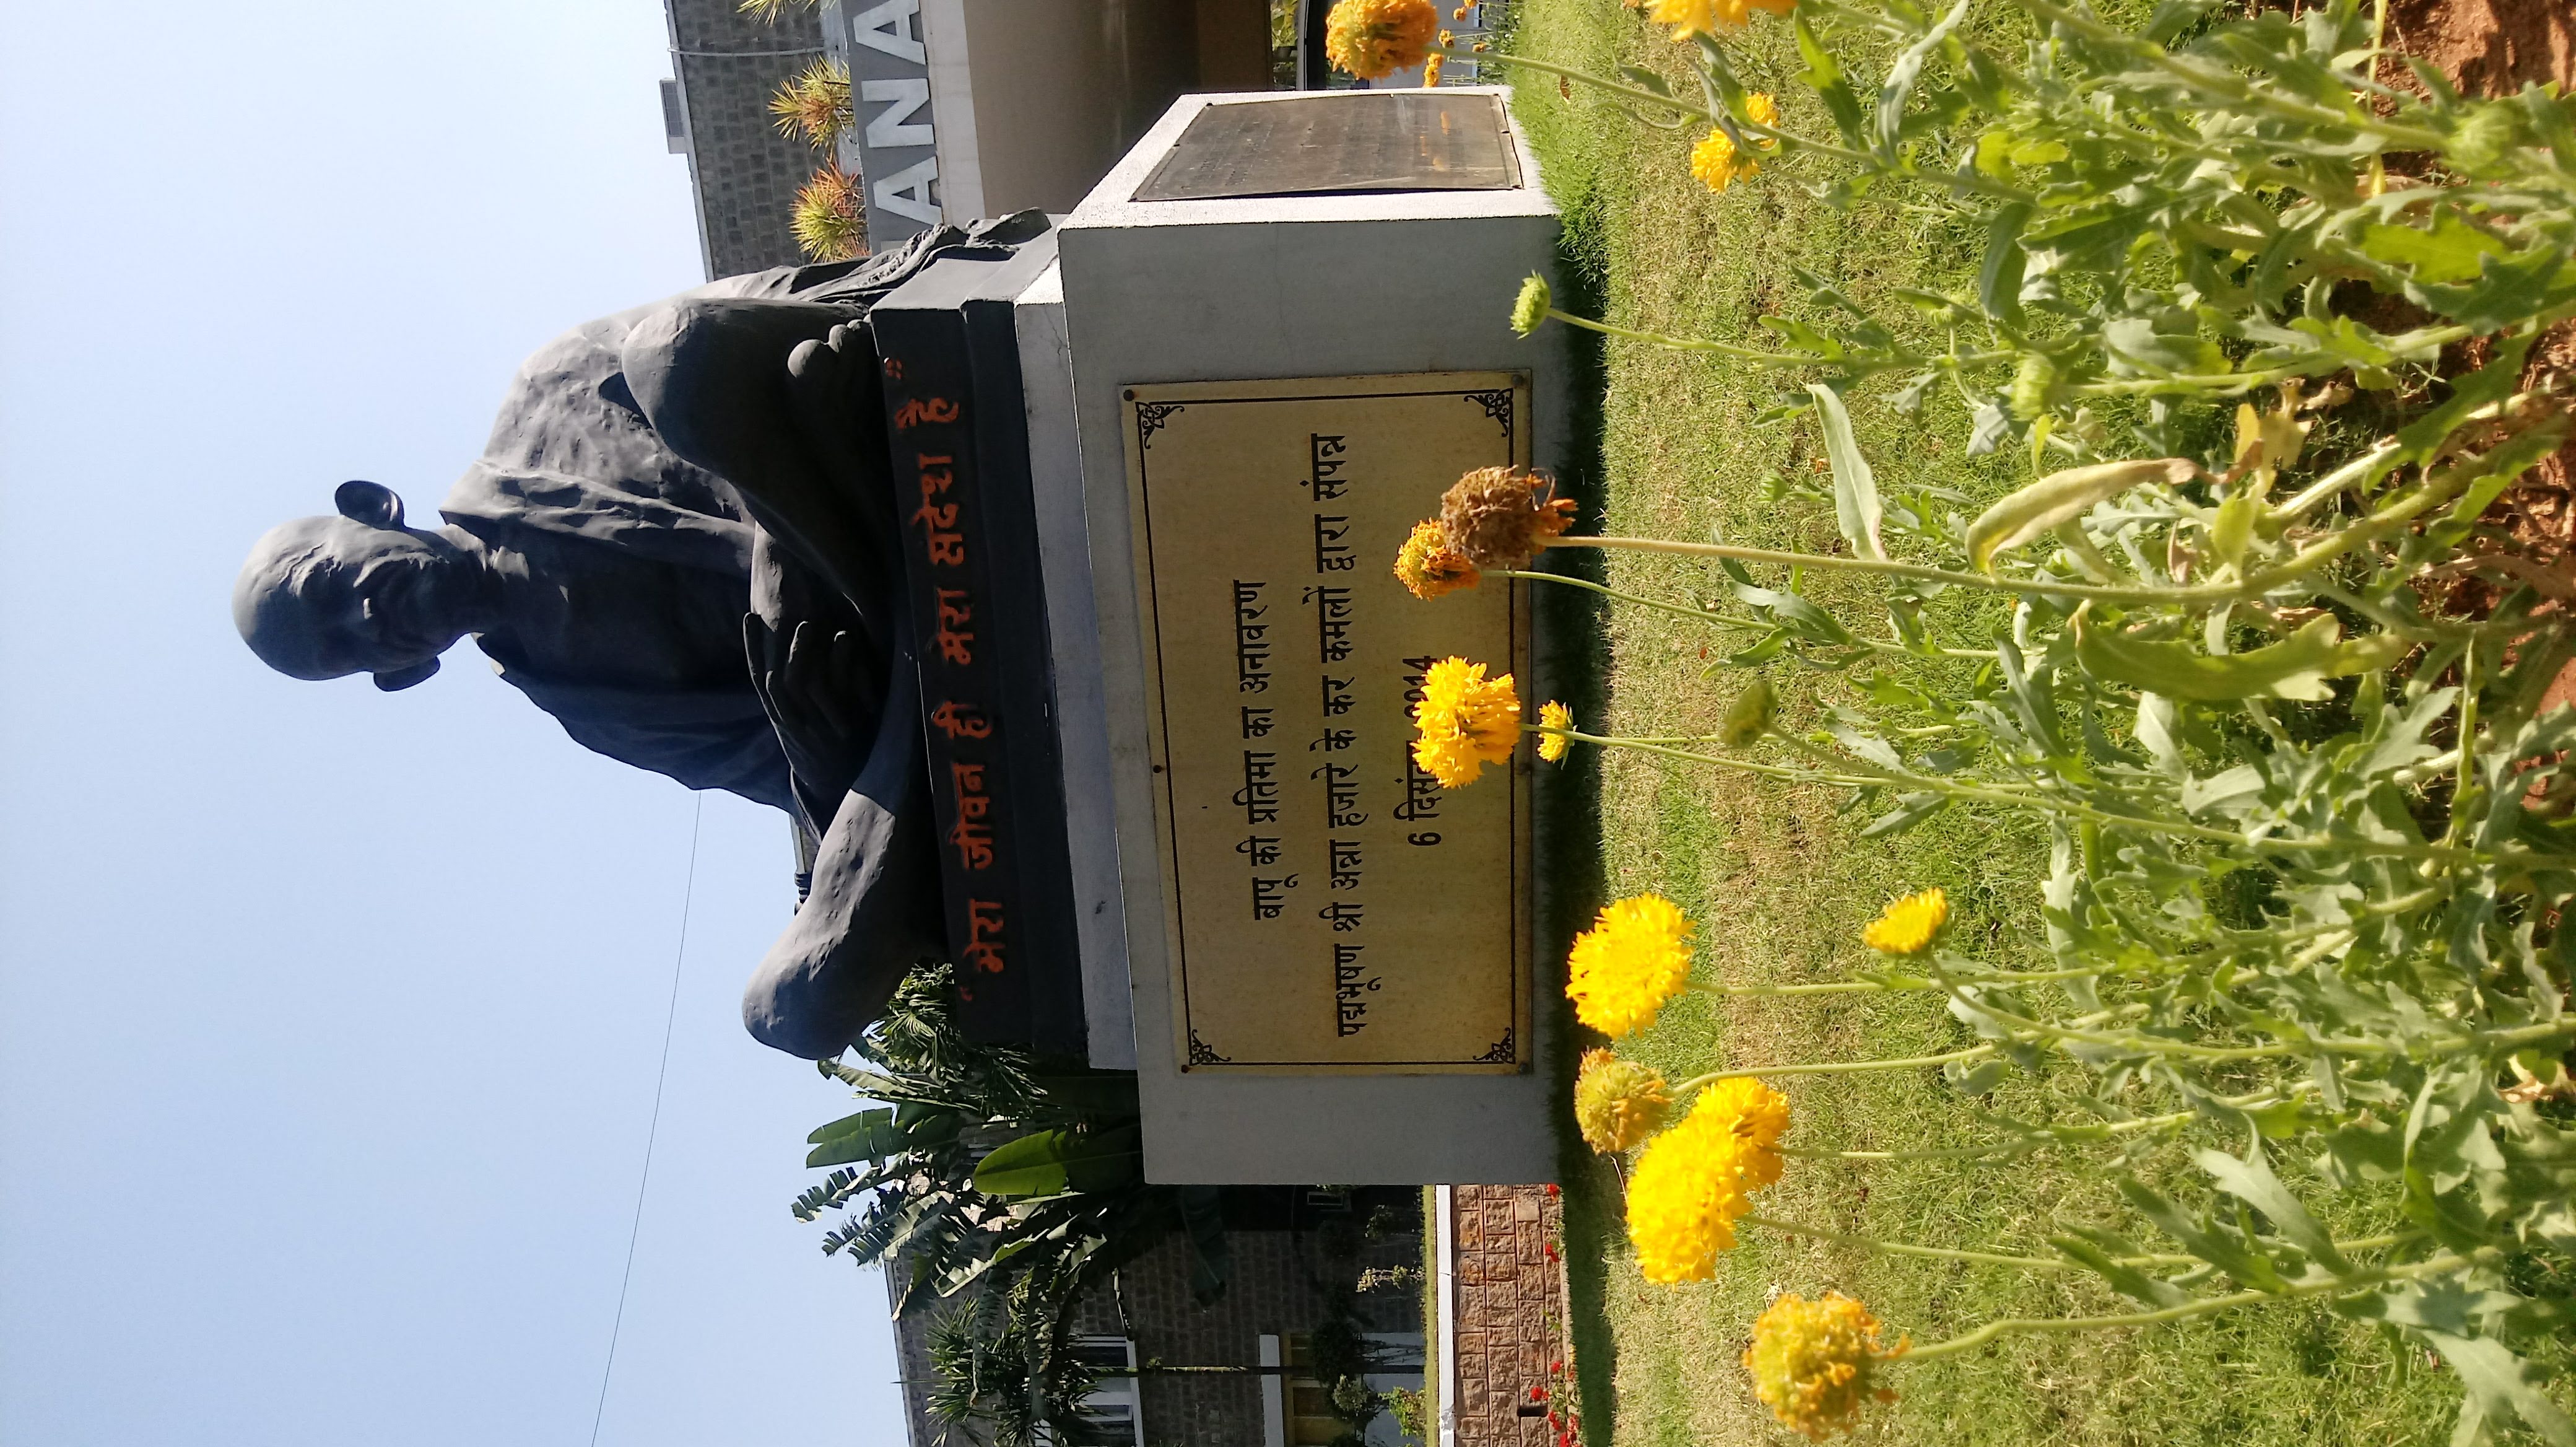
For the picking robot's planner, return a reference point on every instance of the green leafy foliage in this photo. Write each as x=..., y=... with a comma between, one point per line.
x=2310, y=837
x=999, y=1193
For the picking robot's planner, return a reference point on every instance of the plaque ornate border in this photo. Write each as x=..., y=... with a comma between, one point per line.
x=1506, y=406
x=1152, y=417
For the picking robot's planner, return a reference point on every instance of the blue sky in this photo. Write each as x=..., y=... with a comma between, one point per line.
x=329, y=1018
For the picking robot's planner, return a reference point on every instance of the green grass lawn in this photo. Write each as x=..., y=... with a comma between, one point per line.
x=1781, y=882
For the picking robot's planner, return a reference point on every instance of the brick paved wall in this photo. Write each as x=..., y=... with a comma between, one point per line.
x=746, y=174
x=1510, y=1313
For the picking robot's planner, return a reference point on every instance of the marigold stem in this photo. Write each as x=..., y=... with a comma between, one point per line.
x=2332, y=1286
x=2475, y=1040
x=2042, y=1137
x=2445, y=853
x=2203, y=593
x=1832, y=1067
x=1587, y=585
x=1945, y=1253
x=1840, y=987
x=1688, y=344
x=1702, y=615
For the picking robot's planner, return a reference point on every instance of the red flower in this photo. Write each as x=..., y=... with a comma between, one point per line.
x=1556, y=1368
x=1538, y=1394
x=1551, y=1188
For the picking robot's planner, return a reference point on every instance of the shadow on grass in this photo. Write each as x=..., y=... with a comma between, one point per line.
x=1572, y=664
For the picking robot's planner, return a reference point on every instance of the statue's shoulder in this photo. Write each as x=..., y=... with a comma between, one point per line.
x=571, y=454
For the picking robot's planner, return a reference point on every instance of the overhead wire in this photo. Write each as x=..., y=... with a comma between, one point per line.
x=661, y=1075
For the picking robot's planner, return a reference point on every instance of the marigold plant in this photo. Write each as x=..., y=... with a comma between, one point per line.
x=2249, y=640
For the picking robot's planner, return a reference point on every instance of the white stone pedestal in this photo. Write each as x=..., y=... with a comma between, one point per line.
x=1269, y=287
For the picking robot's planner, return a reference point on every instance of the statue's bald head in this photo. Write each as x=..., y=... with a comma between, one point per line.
x=355, y=592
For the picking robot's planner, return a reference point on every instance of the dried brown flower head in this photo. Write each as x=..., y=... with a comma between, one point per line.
x=1499, y=517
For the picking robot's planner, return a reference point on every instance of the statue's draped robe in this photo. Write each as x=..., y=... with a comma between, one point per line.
x=628, y=620
x=575, y=480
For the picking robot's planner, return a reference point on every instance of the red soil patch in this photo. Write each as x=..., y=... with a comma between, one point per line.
x=2489, y=47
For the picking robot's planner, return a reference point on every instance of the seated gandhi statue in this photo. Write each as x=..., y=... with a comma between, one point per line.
x=680, y=541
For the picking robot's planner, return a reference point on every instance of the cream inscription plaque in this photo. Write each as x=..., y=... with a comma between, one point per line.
x=1330, y=908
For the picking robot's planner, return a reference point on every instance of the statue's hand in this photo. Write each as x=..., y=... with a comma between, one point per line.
x=822, y=696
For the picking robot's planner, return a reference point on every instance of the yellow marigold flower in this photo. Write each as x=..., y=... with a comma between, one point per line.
x=1714, y=162
x=1695, y=17
x=1705, y=17
x=1761, y=109
x=1690, y=1185
x=1617, y=1103
x=1496, y=517
x=1465, y=721
x=1815, y=1362
x=1529, y=309
x=1427, y=567
x=1757, y=1114
x=1553, y=715
x=1907, y=926
x=1635, y=957
x=1431, y=70
x=1374, y=38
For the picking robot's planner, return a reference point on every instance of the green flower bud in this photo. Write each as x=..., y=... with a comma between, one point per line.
x=2034, y=387
x=1749, y=717
x=1531, y=308
x=2485, y=134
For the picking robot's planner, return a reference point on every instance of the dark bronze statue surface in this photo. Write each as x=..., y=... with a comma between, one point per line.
x=680, y=542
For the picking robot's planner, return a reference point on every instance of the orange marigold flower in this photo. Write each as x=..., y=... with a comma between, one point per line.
x=1428, y=567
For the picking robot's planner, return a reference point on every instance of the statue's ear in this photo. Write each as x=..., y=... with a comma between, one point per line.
x=371, y=503
x=402, y=678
